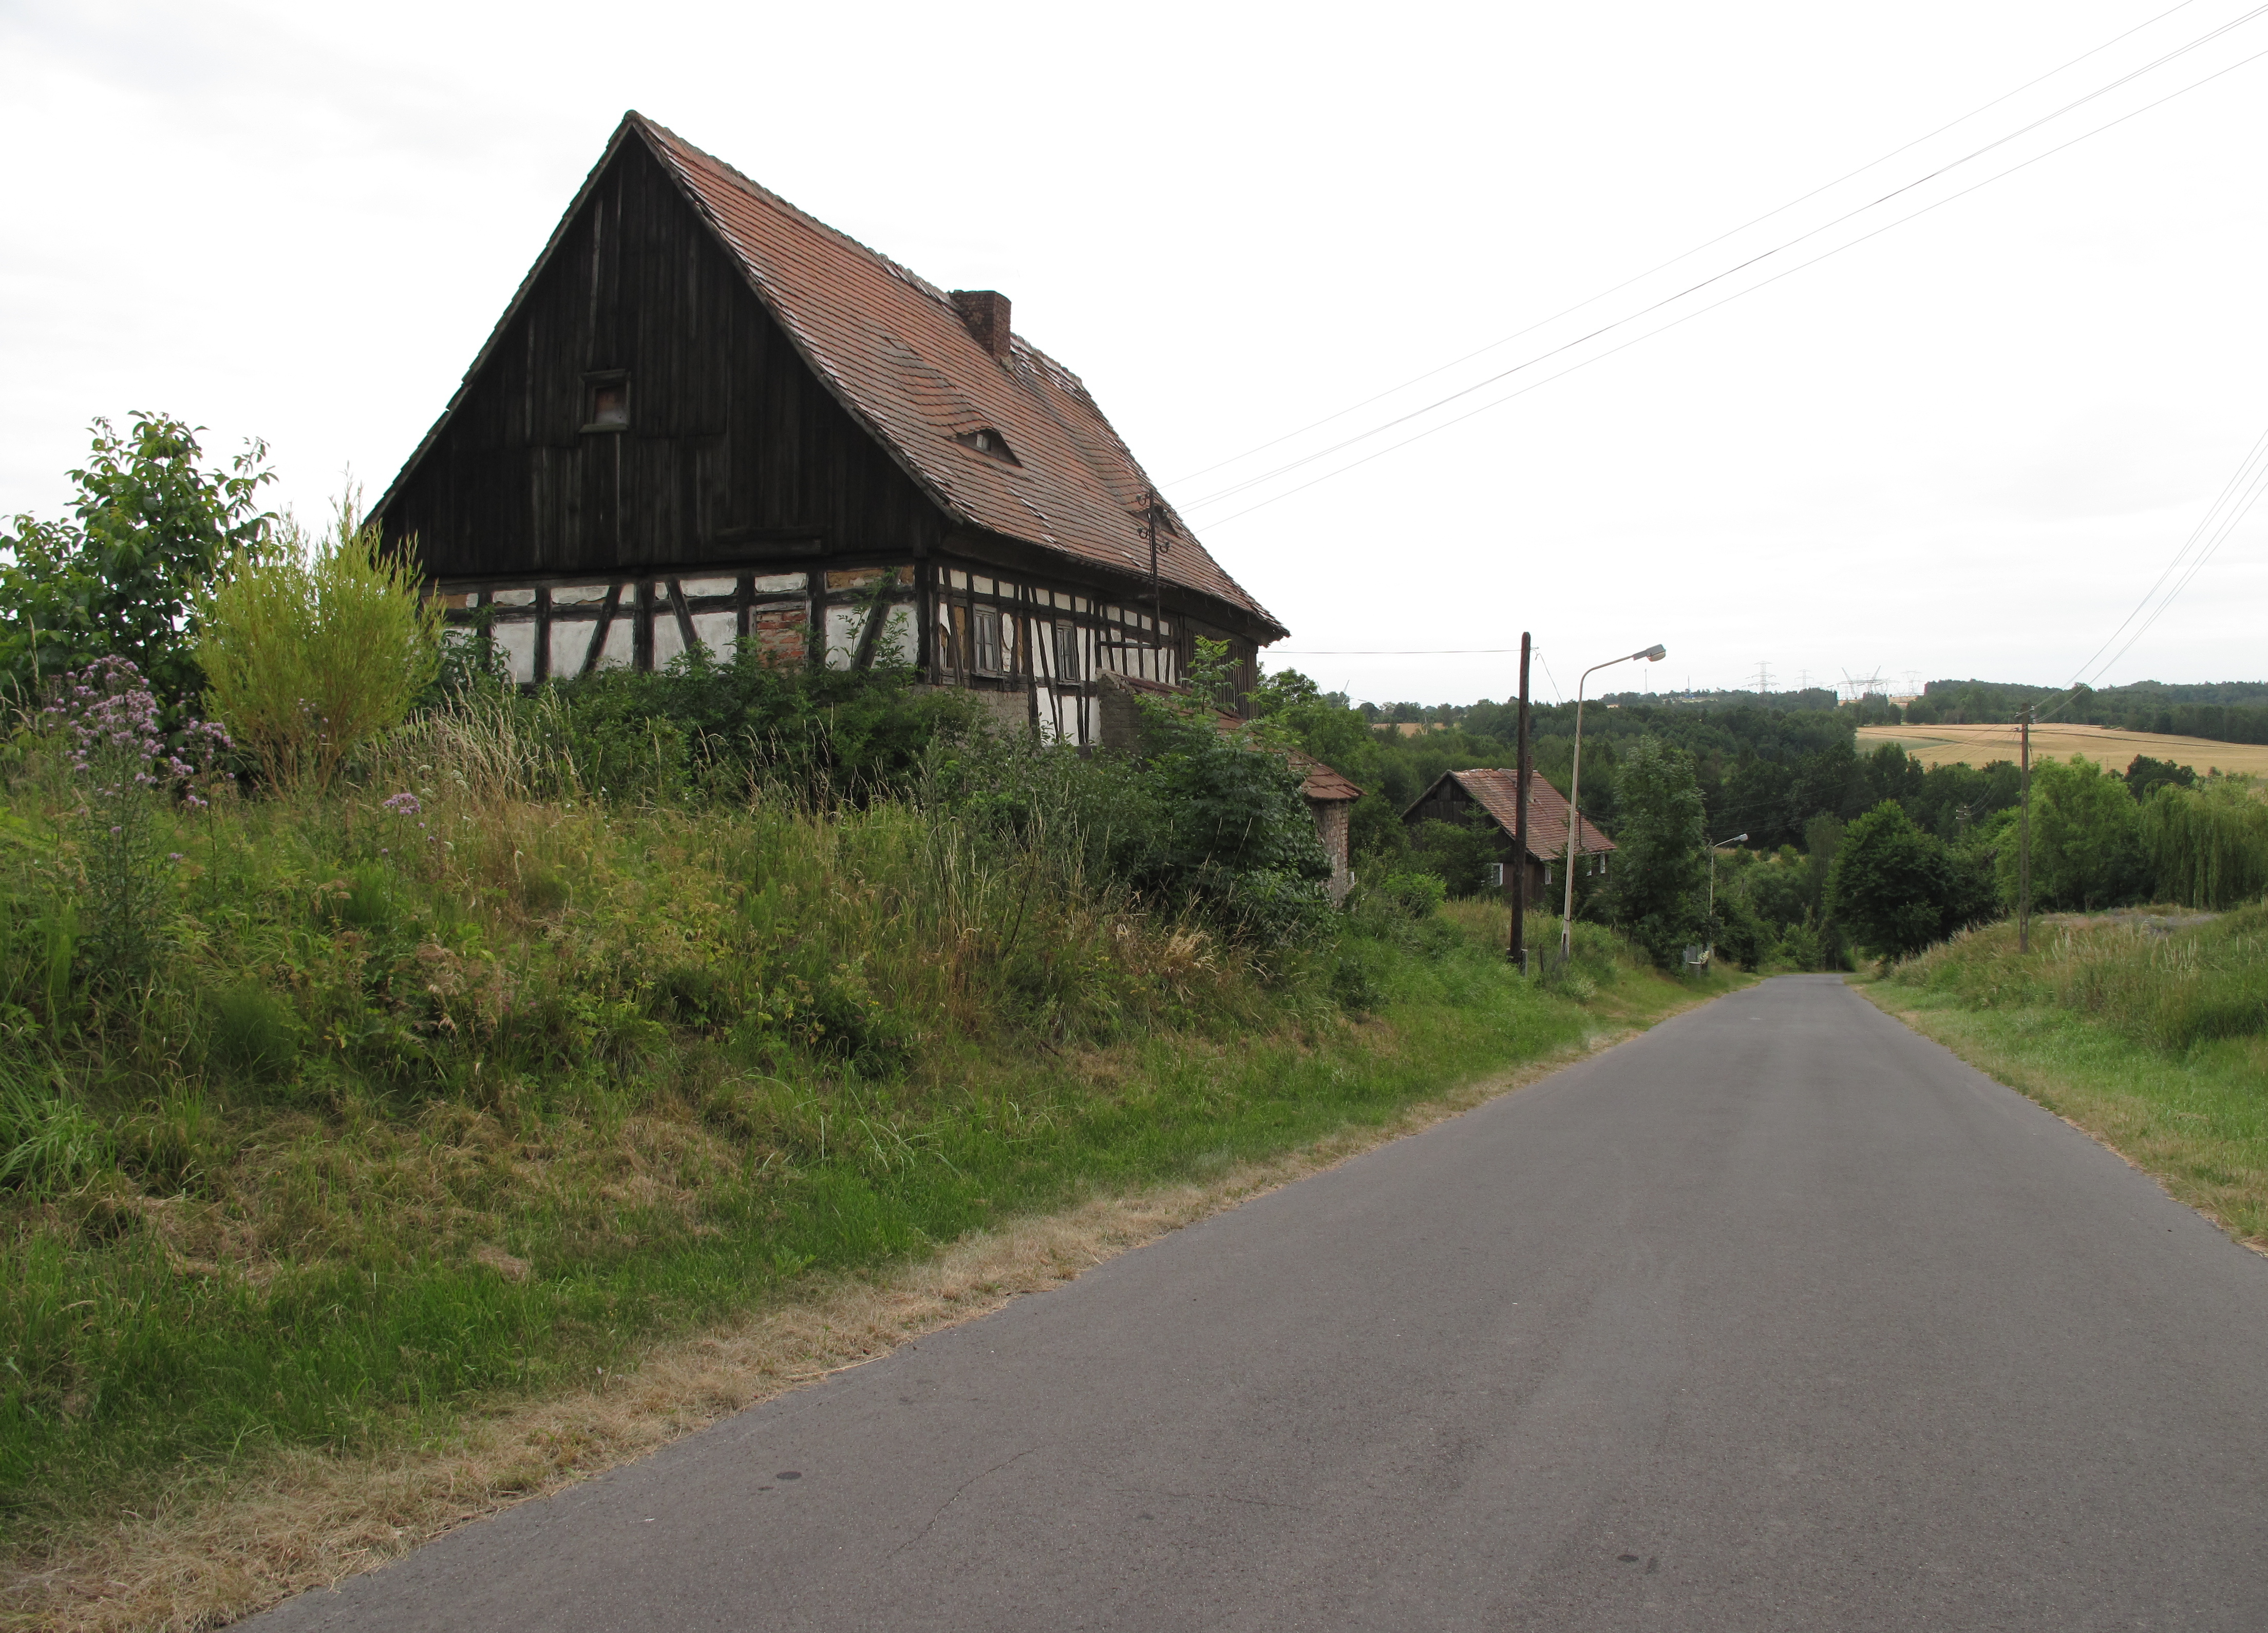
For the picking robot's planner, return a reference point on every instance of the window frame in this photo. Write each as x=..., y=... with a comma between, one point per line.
x=595, y=383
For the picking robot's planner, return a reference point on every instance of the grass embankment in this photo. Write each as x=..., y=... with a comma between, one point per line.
x=415, y=1113
x=2149, y=1029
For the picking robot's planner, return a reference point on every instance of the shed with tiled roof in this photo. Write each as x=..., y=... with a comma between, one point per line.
x=1492, y=796
x=707, y=417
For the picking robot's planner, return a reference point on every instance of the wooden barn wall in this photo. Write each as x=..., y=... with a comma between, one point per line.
x=733, y=452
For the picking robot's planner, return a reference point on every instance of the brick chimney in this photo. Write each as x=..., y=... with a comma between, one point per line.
x=985, y=312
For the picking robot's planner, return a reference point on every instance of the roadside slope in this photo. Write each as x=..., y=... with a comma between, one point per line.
x=217, y=1548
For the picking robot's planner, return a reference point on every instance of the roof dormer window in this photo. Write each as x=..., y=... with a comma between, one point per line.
x=991, y=443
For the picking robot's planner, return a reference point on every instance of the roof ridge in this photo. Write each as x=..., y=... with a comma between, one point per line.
x=898, y=355
x=750, y=185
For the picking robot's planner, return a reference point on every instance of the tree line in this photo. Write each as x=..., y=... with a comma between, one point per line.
x=1839, y=850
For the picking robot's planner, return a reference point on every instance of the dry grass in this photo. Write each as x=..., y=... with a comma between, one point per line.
x=304, y=1519
x=1978, y=744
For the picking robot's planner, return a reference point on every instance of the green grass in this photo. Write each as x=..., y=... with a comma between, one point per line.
x=2149, y=1033
x=420, y=1113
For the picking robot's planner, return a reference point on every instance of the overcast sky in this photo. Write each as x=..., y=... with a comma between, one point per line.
x=1965, y=446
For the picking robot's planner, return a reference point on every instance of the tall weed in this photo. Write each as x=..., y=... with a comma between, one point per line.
x=2171, y=985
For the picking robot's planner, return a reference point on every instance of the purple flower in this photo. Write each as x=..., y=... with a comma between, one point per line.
x=403, y=804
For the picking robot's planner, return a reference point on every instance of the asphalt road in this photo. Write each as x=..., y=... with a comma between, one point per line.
x=1777, y=1317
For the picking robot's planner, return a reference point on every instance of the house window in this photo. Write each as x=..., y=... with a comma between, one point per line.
x=607, y=401
x=991, y=655
x=1067, y=652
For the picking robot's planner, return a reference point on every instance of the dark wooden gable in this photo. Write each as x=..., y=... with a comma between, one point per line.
x=733, y=452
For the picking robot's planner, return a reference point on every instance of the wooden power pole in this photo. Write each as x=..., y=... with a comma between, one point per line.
x=2024, y=842
x=1518, y=951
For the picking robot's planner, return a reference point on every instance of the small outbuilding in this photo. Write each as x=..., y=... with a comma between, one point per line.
x=1492, y=798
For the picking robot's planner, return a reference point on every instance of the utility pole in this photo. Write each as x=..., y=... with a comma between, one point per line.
x=1518, y=951
x=2024, y=843
x=1764, y=678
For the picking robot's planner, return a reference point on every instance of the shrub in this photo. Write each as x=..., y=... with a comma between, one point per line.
x=316, y=648
x=829, y=736
x=1230, y=834
x=1456, y=853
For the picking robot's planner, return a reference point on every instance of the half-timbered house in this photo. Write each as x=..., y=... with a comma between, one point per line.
x=1490, y=800
x=707, y=417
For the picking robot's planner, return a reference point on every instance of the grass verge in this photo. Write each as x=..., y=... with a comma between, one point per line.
x=1192, y=1128
x=2148, y=1031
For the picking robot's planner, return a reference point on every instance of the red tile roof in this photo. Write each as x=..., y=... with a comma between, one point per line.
x=1323, y=782
x=897, y=354
x=1498, y=793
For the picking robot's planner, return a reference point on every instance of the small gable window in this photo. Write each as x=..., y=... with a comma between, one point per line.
x=607, y=401
x=990, y=442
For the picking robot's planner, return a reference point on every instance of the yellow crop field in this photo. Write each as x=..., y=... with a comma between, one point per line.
x=1978, y=744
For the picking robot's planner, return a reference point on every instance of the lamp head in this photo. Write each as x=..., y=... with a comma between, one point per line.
x=1652, y=654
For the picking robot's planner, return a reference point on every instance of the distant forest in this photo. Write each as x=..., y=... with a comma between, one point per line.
x=1768, y=765
x=2224, y=711
x=2229, y=712
x=1763, y=768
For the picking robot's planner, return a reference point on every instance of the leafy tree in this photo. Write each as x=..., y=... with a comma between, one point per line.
x=317, y=648
x=2087, y=840
x=2208, y=847
x=122, y=577
x=2145, y=776
x=1894, y=774
x=1891, y=886
x=1661, y=865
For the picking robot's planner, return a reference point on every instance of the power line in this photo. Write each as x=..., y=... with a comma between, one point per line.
x=1718, y=277
x=1825, y=186
x=1725, y=300
x=2250, y=480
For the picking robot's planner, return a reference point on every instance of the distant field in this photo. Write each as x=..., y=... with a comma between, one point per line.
x=1976, y=745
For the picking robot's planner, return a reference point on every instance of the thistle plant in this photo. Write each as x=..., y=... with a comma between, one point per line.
x=125, y=768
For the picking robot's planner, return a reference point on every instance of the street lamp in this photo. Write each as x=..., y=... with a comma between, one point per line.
x=1714, y=846
x=1654, y=655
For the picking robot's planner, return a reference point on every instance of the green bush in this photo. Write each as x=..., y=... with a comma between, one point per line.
x=1456, y=853
x=313, y=648
x=121, y=579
